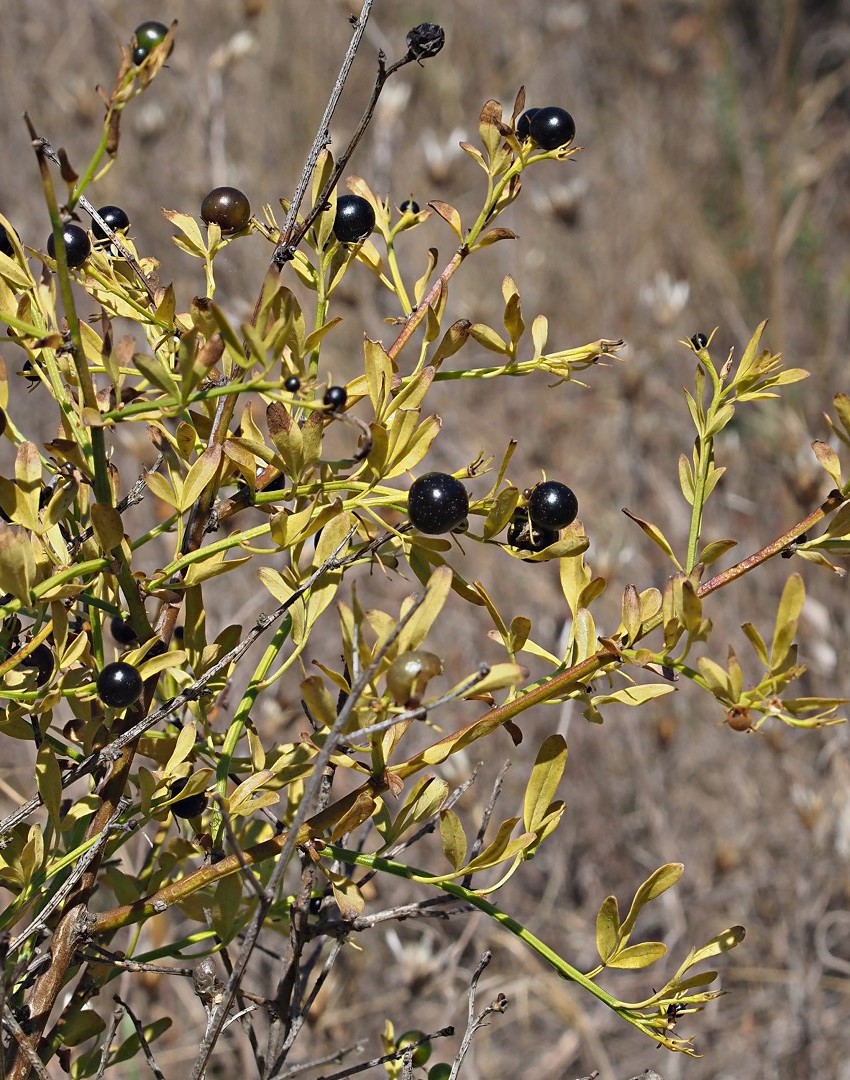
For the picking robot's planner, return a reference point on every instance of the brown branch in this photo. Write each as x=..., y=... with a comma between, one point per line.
x=831, y=503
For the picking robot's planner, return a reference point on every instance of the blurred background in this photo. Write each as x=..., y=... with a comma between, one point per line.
x=712, y=192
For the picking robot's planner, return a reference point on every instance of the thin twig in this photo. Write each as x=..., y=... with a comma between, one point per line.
x=248, y=873
x=322, y=137
x=23, y=1045
x=115, y=1019
x=124, y=251
x=421, y=711
x=292, y=237
x=474, y=1023
x=282, y=862
x=397, y=1055
x=143, y=1042
x=478, y=843
x=304, y=1066
x=67, y=886
x=133, y=497
x=298, y=1020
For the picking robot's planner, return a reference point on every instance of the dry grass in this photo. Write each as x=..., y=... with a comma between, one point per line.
x=718, y=154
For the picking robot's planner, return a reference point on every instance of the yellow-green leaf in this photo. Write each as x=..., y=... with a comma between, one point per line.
x=545, y=776
x=199, y=476
x=453, y=838
x=634, y=957
x=607, y=928
x=436, y=592
x=787, y=617
x=658, y=882
x=108, y=526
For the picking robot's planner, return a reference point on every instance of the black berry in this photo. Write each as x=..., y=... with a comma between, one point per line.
x=354, y=220
x=122, y=631
x=147, y=36
x=227, y=207
x=192, y=805
x=119, y=685
x=525, y=536
x=409, y=206
x=552, y=127
x=425, y=40
x=41, y=658
x=6, y=243
x=523, y=123
x=292, y=384
x=115, y=218
x=335, y=398
x=77, y=245
x=552, y=505
x=699, y=341
x=437, y=503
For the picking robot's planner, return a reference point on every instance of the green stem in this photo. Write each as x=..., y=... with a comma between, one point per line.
x=565, y=970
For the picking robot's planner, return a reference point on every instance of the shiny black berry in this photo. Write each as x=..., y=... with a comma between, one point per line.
x=6, y=243
x=227, y=207
x=409, y=206
x=525, y=536
x=77, y=245
x=192, y=805
x=335, y=398
x=122, y=631
x=354, y=220
x=119, y=685
x=147, y=36
x=437, y=503
x=292, y=384
x=115, y=218
x=552, y=505
x=552, y=127
x=523, y=123
x=699, y=341
x=41, y=658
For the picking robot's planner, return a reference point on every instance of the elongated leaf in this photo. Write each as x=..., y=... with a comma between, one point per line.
x=757, y=642
x=183, y=747
x=348, y=897
x=658, y=882
x=453, y=838
x=436, y=593
x=634, y=957
x=635, y=695
x=607, y=928
x=787, y=618
x=631, y=616
x=108, y=526
x=501, y=849
x=487, y=336
x=422, y=803
x=498, y=677
x=17, y=562
x=199, y=476
x=722, y=943
x=450, y=215
x=656, y=535
x=545, y=776
x=49, y=783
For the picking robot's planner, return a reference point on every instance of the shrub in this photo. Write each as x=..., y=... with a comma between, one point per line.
x=238, y=415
